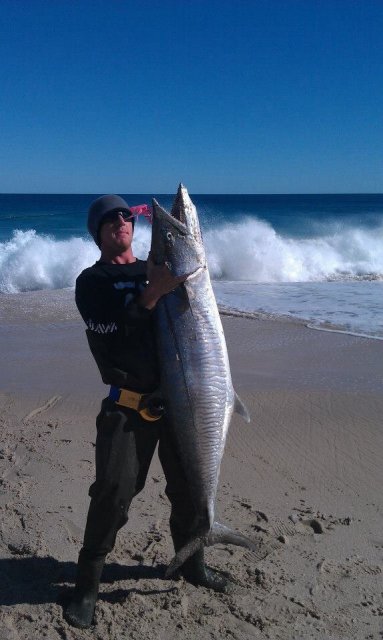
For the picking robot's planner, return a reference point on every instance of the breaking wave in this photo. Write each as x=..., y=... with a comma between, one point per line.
x=29, y=262
x=250, y=250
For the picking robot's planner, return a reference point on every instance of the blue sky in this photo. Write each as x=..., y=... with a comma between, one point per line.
x=229, y=96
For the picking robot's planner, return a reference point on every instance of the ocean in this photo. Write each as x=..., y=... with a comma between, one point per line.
x=318, y=258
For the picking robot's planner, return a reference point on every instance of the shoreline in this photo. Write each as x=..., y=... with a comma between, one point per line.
x=258, y=315
x=58, y=304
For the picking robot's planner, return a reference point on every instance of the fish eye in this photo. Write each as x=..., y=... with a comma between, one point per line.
x=169, y=235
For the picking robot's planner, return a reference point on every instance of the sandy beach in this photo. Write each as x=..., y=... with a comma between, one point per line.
x=304, y=477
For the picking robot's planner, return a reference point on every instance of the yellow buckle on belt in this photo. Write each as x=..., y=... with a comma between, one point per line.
x=129, y=399
x=133, y=400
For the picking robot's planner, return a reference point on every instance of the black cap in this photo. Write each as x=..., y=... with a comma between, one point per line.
x=100, y=207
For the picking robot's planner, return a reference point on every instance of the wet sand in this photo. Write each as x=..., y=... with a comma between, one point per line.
x=304, y=478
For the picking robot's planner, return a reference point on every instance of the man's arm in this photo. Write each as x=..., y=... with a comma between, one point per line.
x=160, y=282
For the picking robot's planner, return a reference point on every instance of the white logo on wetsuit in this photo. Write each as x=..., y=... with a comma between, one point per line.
x=129, y=285
x=99, y=327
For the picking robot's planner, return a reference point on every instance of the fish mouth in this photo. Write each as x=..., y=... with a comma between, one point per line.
x=182, y=213
x=182, y=205
x=183, y=216
x=160, y=214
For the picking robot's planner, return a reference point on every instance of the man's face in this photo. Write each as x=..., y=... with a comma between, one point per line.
x=116, y=232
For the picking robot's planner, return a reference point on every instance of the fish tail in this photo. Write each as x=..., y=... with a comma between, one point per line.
x=218, y=534
x=184, y=554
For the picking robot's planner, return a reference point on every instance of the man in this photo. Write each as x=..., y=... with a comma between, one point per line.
x=116, y=298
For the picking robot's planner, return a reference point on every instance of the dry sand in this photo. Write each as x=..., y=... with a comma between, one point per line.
x=305, y=477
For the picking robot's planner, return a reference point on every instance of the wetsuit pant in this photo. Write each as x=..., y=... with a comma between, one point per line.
x=125, y=446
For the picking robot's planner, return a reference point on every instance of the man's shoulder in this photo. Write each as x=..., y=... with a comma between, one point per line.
x=90, y=273
x=104, y=271
x=93, y=269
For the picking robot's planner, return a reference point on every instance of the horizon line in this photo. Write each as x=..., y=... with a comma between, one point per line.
x=94, y=193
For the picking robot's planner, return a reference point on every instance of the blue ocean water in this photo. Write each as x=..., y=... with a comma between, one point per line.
x=314, y=257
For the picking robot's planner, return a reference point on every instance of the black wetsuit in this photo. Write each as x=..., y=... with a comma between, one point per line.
x=121, y=337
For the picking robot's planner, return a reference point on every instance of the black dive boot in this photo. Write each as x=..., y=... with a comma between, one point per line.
x=79, y=612
x=196, y=572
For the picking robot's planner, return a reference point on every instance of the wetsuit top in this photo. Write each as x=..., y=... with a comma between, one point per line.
x=120, y=332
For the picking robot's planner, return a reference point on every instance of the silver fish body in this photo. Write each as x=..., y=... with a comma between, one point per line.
x=195, y=373
x=196, y=384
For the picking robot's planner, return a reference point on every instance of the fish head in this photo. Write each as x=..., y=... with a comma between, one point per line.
x=176, y=236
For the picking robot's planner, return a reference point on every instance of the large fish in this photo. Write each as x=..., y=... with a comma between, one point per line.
x=195, y=373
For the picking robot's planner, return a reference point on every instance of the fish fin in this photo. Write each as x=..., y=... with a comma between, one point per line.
x=240, y=408
x=184, y=554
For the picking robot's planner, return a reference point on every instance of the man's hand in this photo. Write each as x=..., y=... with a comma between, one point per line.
x=161, y=281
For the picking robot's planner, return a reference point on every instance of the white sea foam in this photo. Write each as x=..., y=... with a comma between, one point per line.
x=254, y=270
x=29, y=262
x=248, y=251
x=253, y=251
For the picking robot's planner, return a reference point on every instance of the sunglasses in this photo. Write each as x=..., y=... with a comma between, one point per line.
x=114, y=215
